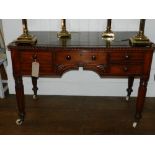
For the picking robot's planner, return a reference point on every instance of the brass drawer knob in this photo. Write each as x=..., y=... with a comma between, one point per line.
x=93, y=58
x=125, y=69
x=34, y=57
x=68, y=57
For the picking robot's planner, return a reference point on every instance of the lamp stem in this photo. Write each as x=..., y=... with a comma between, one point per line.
x=142, y=26
x=25, y=28
x=63, y=23
x=109, y=25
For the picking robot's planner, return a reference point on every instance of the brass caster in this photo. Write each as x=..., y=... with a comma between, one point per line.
x=19, y=121
x=35, y=97
x=127, y=98
x=134, y=125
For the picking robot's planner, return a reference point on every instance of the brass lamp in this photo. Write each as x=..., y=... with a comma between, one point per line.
x=63, y=33
x=140, y=39
x=26, y=38
x=108, y=33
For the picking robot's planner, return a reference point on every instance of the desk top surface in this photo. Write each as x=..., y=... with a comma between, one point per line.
x=78, y=40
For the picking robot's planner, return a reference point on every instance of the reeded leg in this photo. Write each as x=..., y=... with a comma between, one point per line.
x=20, y=99
x=129, y=89
x=140, y=99
x=35, y=88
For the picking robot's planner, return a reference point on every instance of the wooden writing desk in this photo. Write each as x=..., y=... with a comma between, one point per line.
x=87, y=50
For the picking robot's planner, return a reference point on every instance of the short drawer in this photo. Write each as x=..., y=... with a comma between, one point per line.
x=126, y=56
x=43, y=57
x=123, y=70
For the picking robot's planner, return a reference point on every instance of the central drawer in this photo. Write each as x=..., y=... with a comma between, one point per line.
x=77, y=58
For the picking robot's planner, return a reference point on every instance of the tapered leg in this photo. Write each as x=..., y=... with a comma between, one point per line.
x=140, y=100
x=20, y=99
x=35, y=88
x=129, y=89
x=141, y=97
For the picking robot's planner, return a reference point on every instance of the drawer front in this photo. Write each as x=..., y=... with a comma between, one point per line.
x=67, y=57
x=124, y=70
x=81, y=57
x=94, y=58
x=43, y=57
x=116, y=57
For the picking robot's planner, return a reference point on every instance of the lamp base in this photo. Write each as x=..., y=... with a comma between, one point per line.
x=140, y=41
x=107, y=34
x=64, y=34
x=26, y=39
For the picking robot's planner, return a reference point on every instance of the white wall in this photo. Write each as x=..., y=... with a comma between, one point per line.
x=78, y=82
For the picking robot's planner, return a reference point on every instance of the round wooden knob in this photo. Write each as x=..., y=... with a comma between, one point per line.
x=126, y=56
x=125, y=69
x=68, y=57
x=34, y=57
x=93, y=57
